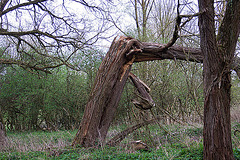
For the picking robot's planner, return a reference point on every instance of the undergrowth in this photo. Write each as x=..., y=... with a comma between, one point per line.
x=179, y=142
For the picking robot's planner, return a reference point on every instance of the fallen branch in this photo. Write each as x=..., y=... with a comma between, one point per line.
x=120, y=136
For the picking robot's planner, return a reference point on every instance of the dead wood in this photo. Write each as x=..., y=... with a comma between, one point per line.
x=146, y=101
x=106, y=92
x=139, y=145
x=120, y=136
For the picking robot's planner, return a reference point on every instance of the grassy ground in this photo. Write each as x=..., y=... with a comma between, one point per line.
x=181, y=142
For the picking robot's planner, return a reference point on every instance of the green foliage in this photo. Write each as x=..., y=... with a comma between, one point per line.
x=195, y=153
x=109, y=153
x=235, y=90
x=53, y=101
x=236, y=153
x=194, y=131
x=28, y=155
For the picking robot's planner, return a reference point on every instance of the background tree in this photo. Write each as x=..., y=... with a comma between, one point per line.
x=40, y=35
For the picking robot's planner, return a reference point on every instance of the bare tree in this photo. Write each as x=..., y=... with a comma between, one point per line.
x=39, y=35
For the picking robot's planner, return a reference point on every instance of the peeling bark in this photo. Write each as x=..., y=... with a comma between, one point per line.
x=105, y=95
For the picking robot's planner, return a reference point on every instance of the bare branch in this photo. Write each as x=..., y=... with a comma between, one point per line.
x=25, y=65
x=3, y=3
x=20, y=5
x=47, y=34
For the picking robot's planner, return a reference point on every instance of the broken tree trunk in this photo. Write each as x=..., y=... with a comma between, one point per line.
x=105, y=95
x=111, y=78
x=110, y=81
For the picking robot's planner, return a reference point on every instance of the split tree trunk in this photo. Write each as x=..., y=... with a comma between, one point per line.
x=110, y=80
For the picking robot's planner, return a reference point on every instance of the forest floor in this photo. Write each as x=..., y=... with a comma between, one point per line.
x=179, y=142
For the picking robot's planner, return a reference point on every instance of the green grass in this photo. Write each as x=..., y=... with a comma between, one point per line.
x=193, y=153
x=181, y=143
x=108, y=153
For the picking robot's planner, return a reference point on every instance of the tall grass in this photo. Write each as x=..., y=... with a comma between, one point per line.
x=38, y=141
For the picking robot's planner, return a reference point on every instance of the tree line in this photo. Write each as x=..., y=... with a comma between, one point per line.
x=46, y=101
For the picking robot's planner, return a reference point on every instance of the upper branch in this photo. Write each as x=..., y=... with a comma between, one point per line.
x=3, y=3
x=153, y=51
x=45, y=35
x=20, y=5
x=60, y=38
x=144, y=51
x=178, y=27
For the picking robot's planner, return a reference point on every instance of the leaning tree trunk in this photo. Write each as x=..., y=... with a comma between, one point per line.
x=218, y=56
x=105, y=95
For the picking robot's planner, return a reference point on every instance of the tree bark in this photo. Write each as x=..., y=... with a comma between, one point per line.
x=218, y=53
x=144, y=100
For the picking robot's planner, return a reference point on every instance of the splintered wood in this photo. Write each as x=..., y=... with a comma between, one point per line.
x=144, y=100
x=126, y=67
